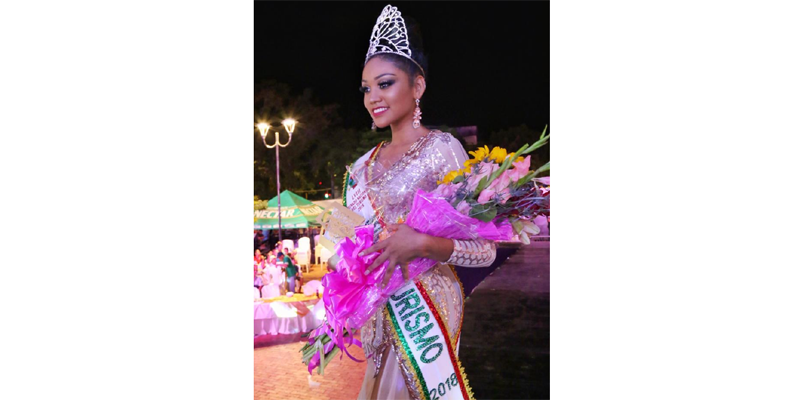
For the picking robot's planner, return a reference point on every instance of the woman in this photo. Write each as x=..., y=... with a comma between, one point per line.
x=273, y=278
x=380, y=186
x=258, y=270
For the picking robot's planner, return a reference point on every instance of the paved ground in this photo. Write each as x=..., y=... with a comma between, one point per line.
x=512, y=305
x=512, y=362
x=280, y=375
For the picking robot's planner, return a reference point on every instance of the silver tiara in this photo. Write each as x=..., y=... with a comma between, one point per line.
x=389, y=36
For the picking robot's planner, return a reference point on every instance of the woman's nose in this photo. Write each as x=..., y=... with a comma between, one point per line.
x=374, y=98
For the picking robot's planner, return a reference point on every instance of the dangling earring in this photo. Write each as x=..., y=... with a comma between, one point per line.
x=417, y=116
x=373, y=126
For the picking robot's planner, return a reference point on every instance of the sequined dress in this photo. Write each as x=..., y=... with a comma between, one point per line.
x=392, y=191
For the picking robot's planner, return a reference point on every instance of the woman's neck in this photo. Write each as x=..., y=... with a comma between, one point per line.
x=404, y=134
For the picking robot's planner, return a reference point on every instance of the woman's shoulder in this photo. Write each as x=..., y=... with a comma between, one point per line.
x=363, y=157
x=442, y=136
x=446, y=145
x=446, y=138
x=440, y=139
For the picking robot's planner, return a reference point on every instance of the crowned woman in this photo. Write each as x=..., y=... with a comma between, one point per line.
x=412, y=343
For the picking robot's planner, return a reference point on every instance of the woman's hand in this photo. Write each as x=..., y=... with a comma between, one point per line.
x=403, y=246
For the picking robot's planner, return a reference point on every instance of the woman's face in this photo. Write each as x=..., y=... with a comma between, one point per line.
x=388, y=97
x=258, y=253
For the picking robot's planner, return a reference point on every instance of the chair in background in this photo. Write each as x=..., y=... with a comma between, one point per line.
x=322, y=253
x=303, y=258
x=288, y=244
x=304, y=253
x=304, y=244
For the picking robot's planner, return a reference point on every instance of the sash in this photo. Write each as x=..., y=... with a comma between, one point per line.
x=420, y=339
x=356, y=196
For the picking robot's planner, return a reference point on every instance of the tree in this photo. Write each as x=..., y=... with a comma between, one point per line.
x=272, y=103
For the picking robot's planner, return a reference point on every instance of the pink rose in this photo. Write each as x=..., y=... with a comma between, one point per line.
x=489, y=193
x=445, y=190
x=520, y=169
x=463, y=207
x=504, y=194
x=541, y=221
x=485, y=196
x=502, y=181
x=481, y=170
x=498, y=187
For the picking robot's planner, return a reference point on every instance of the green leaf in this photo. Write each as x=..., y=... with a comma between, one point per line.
x=481, y=185
x=483, y=212
x=321, y=364
x=488, y=215
x=525, y=179
x=458, y=179
x=545, y=167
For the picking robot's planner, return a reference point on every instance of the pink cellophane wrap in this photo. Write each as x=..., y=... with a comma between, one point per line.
x=351, y=297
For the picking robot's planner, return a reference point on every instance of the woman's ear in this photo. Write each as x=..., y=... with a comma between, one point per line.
x=419, y=86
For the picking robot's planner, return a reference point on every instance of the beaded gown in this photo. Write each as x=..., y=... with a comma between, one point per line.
x=392, y=191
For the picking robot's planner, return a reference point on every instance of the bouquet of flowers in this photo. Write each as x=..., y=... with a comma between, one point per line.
x=493, y=197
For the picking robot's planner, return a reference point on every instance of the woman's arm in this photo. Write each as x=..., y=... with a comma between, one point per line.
x=473, y=253
x=406, y=244
x=436, y=248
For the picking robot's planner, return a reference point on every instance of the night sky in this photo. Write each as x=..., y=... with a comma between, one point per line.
x=488, y=62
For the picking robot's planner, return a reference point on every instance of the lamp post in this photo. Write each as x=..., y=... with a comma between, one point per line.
x=263, y=127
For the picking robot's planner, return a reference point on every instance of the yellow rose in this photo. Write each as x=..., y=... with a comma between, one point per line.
x=498, y=155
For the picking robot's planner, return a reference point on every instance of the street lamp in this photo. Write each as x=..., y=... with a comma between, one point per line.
x=263, y=127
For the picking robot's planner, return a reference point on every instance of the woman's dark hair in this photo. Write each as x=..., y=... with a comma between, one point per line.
x=415, y=44
x=280, y=254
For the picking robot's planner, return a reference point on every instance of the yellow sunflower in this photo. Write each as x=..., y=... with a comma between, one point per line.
x=498, y=155
x=449, y=177
x=469, y=163
x=480, y=153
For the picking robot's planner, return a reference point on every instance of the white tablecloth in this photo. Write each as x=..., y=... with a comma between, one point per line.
x=281, y=318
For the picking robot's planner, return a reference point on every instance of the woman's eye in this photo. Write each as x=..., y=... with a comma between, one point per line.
x=385, y=84
x=363, y=89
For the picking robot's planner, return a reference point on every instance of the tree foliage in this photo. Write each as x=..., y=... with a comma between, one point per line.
x=317, y=152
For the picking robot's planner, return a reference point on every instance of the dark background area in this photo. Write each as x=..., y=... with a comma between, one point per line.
x=489, y=62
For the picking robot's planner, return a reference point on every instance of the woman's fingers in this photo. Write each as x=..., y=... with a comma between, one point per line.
x=375, y=247
x=389, y=272
x=377, y=263
x=404, y=268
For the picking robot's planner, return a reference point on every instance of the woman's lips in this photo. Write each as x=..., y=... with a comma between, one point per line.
x=379, y=111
